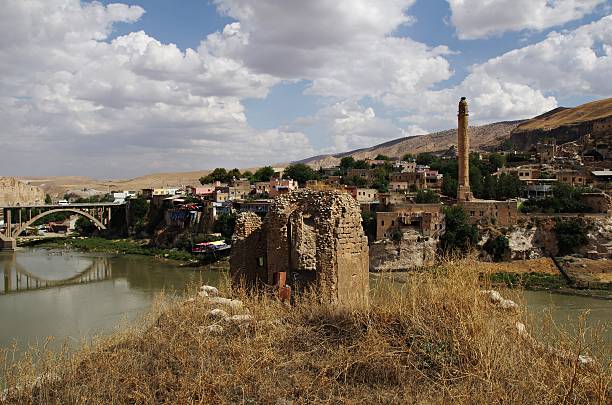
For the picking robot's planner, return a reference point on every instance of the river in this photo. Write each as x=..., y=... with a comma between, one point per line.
x=72, y=295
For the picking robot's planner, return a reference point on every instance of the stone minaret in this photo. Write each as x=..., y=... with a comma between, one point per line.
x=463, y=151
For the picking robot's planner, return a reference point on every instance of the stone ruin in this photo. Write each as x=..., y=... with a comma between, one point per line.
x=309, y=240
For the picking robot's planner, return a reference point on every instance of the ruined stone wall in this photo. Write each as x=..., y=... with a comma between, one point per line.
x=352, y=253
x=315, y=237
x=13, y=192
x=499, y=213
x=248, y=259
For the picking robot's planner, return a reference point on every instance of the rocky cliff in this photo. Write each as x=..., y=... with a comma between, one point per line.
x=14, y=192
x=411, y=252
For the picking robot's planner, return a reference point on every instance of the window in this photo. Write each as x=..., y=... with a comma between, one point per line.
x=472, y=213
x=382, y=222
x=392, y=222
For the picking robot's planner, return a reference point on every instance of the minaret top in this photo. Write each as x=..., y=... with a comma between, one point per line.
x=463, y=107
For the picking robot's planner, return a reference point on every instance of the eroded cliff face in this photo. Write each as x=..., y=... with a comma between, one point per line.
x=411, y=252
x=535, y=237
x=16, y=192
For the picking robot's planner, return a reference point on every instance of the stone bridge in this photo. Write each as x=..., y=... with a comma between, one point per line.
x=18, y=218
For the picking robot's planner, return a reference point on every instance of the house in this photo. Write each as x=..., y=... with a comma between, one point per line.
x=602, y=179
x=257, y=206
x=364, y=195
x=539, y=189
x=428, y=219
x=366, y=174
x=546, y=150
x=571, y=177
x=282, y=186
x=262, y=187
x=502, y=213
x=204, y=190
x=406, y=181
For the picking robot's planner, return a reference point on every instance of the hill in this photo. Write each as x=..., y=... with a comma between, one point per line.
x=482, y=137
x=85, y=186
x=565, y=124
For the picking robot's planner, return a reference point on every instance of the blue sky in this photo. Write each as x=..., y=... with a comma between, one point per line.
x=137, y=86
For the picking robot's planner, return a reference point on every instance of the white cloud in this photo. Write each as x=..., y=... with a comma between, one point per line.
x=523, y=82
x=483, y=18
x=122, y=107
x=351, y=125
x=76, y=101
x=577, y=62
x=346, y=47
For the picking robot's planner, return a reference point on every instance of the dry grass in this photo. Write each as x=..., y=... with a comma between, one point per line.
x=433, y=339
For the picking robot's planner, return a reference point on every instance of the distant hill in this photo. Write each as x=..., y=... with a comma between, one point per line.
x=564, y=124
x=481, y=137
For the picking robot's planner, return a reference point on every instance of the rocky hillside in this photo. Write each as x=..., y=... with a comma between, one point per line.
x=13, y=192
x=482, y=137
x=565, y=124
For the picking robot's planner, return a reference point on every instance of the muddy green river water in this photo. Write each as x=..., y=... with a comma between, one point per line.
x=73, y=296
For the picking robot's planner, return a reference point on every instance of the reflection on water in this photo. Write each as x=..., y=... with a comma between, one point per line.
x=31, y=271
x=71, y=295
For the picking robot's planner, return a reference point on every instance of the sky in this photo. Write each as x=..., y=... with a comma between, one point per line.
x=117, y=90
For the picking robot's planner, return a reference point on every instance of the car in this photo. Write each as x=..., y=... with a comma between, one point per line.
x=63, y=202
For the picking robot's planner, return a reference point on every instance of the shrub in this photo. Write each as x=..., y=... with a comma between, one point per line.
x=571, y=235
x=498, y=248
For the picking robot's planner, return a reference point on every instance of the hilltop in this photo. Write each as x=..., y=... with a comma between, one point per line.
x=484, y=136
x=565, y=124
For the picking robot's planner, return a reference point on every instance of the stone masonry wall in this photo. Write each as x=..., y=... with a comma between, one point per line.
x=248, y=259
x=315, y=237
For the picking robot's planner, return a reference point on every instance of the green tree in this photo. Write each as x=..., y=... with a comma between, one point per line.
x=498, y=248
x=219, y=174
x=449, y=187
x=84, y=227
x=361, y=164
x=425, y=158
x=346, y=163
x=301, y=173
x=408, y=157
x=382, y=157
x=225, y=224
x=249, y=175
x=263, y=173
x=356, y=181
x=496, y=160
x=233, y=173
x=571, y=235
x=459, y=236
x=427, y=197
x=48, y=199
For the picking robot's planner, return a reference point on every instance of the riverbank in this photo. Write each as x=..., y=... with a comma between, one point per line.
x=116, y=246
x=543, y=275
x=437, y=340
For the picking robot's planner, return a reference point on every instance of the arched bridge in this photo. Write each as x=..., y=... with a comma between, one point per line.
x=18, y=218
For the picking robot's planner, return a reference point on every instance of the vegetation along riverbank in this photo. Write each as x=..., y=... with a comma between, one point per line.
x=116, y=246
x=436, y=339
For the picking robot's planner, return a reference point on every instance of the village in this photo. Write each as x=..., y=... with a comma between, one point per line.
x=503, y=202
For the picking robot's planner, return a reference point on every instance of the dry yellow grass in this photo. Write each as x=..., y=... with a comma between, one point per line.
x=542, y=265
x=433, y=339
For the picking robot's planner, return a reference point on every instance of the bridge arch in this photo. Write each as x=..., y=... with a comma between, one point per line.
x=85, y=214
